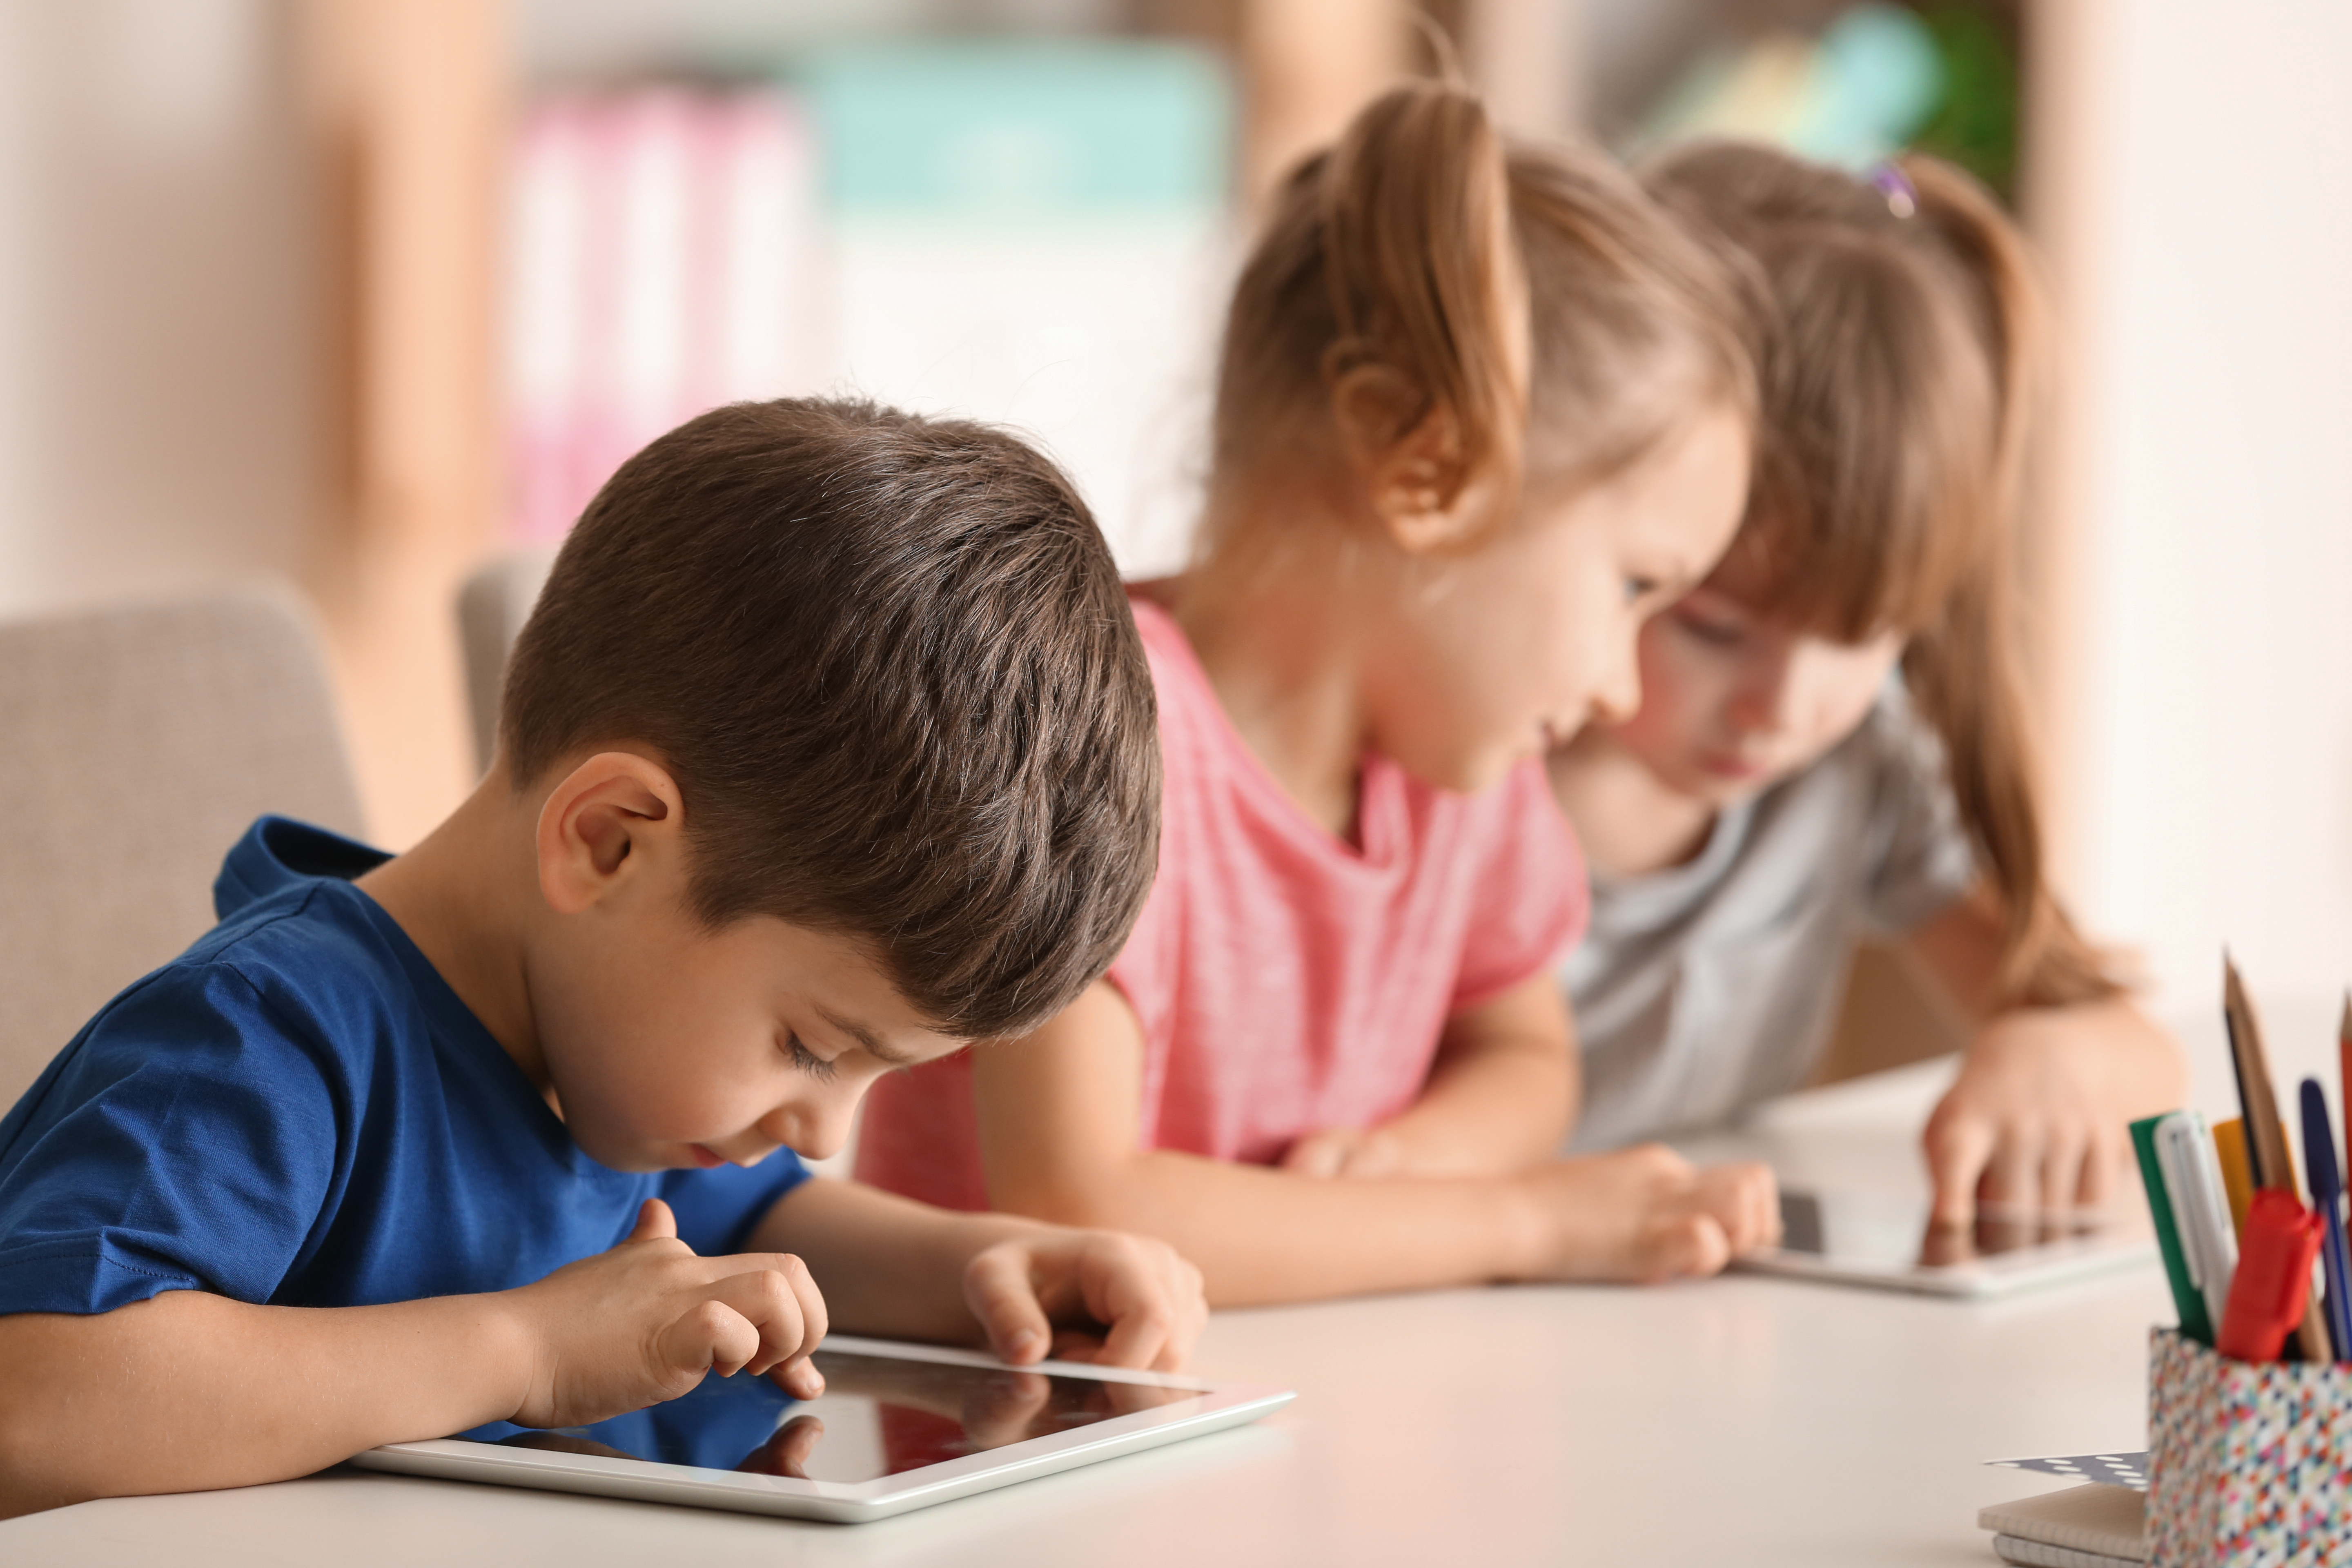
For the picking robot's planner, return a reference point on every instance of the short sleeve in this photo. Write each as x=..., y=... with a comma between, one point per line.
x=1531, y=901
x=1922, y=859
x=718, y=1209
x=186, y=1140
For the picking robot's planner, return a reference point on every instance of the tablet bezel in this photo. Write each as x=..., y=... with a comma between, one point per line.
x=1216, y=1405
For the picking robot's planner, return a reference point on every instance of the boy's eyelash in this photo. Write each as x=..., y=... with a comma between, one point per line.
x=1640, y=588
x=807, y=1060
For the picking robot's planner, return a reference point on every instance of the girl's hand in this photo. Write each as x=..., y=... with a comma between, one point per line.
x=644, y=1322
x=1363, y=1152
x=2040, y=1115
x=1115, y=1299
x=1646, y=1215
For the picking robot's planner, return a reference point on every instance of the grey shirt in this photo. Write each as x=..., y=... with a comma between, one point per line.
x=1709, y=987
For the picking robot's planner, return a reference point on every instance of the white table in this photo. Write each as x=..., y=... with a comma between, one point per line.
x=1740, y=1421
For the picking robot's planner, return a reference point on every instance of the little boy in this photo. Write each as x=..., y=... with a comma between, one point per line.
x=829, y=748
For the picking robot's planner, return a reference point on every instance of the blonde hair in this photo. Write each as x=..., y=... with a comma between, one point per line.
x=1900, y=334
x=1533, y=295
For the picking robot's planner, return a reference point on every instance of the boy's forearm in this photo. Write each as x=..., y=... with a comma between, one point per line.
x=1262, y=1236
x=191, y=1391
x=888, y=1266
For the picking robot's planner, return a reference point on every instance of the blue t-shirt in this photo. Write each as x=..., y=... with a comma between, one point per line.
x=297, y=1110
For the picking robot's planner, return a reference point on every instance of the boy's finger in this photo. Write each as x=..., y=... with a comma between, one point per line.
x=766, y=1300
x=1131, y=1297
x=709, y=1336
x=799, y=1378
x=997, y=1288
x=655, y=1222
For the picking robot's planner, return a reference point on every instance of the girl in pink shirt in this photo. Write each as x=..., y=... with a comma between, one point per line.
x=1480, y=412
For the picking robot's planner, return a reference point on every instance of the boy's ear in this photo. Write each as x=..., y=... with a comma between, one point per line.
x=600, y=825
x=1408, y=456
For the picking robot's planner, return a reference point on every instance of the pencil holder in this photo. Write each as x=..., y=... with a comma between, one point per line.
x=2250, y=1465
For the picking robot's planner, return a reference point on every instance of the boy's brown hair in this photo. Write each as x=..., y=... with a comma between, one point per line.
x=890, y=664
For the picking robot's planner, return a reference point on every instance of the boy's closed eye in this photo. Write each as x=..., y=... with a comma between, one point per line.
x=806, y=1059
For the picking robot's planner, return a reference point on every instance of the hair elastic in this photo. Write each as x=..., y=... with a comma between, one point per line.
x=1889, y=181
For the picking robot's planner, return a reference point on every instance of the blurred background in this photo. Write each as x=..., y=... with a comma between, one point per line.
x=360, y=293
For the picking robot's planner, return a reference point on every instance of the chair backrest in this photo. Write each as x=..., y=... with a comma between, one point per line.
x=136, y=744
x=491, y=609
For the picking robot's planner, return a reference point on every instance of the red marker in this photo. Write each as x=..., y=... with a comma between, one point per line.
x=2272, y=1285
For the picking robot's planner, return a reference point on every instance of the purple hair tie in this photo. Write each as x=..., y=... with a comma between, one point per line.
x=1891, y=182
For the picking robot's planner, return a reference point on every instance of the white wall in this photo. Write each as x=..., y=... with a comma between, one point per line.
x=2203, y=213
x=158, y=368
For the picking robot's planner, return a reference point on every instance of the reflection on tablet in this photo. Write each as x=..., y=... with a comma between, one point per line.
x=879, y=1415
x=1869, y=1232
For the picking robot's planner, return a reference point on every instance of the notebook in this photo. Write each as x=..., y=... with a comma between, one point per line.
x=2088, y=1527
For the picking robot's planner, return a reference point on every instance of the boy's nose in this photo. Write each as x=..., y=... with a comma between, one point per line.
x=815, y=1130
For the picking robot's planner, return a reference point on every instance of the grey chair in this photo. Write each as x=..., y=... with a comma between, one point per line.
x=491, y=609
x=136, y=744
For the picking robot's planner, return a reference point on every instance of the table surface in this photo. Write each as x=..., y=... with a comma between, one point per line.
x=1737, y=1421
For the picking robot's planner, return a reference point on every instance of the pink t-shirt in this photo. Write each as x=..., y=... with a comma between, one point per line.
x=1286, y=980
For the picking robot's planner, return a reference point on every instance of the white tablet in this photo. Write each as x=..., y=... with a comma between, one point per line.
x=900, y=1427
x=1874, y=1239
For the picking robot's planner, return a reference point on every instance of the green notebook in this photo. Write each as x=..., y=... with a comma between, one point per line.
x=2195, y=1322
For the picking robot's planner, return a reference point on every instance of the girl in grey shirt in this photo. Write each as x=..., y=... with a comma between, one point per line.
x=1832, y=742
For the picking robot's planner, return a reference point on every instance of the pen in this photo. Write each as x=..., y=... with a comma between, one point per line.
x=2327, y=1196
x=2343, y=1078
x=2197, y=1319
x=2237, y=1179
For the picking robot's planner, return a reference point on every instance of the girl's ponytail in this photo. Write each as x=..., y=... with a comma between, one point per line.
x=1531, y=295
x=1965, y=666
x=1424, y=278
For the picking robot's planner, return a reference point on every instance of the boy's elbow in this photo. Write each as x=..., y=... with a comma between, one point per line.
x=35, y=1440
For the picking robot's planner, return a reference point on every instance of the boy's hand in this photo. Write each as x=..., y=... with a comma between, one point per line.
x=1083, y=1282
x=1645, y=1214
x=644, y=1322
x=2038, y=1117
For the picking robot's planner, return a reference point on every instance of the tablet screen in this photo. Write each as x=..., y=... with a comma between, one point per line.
x=1870, y=1232
x=879, y=1415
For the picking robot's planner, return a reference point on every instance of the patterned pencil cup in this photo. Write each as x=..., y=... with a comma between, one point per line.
x=2250, y=1467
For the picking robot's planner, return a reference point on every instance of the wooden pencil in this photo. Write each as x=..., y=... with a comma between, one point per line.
x=2266, y=1147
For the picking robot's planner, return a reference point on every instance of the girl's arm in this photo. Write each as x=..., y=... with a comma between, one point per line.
x=1501, y=1096
x=893, y=1267
x=1059, y=1140
x=2040, y=1113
